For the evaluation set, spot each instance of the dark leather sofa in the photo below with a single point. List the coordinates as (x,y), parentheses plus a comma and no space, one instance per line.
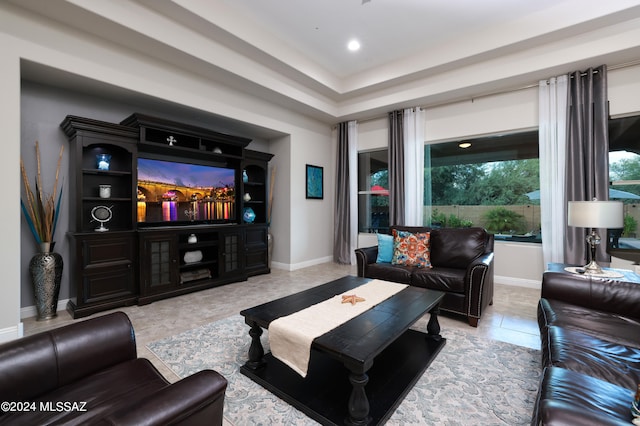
(462,260)
(590,341)
(88,373)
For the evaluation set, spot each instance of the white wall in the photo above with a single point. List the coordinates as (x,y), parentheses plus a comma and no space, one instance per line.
(504,112)
(624,91)
(10,325)
(309,237)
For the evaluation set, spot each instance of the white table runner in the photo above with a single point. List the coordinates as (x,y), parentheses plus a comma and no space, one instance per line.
(290,336)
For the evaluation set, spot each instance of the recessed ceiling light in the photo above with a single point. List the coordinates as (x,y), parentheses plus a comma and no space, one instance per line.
(464,145)
(353,45)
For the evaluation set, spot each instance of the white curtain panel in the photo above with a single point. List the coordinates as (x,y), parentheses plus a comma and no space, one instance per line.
(553,113)
(353,188)
(414,122)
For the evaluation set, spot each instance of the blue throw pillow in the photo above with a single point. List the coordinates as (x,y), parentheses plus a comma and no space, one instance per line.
(385,248)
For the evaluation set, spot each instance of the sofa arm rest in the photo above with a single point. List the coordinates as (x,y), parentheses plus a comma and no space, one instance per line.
(601,294)
(477,270)
(37,364)
(365,256)
(479,279)
(485,260)
(195,400)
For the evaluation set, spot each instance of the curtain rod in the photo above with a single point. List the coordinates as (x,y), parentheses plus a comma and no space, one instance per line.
(498,92)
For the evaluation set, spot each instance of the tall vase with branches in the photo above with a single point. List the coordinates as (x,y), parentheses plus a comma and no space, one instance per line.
(41,211)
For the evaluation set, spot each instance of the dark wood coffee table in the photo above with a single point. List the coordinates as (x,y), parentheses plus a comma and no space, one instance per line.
(382,356)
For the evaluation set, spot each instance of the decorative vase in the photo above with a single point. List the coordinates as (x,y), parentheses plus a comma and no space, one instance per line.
(46,273)
(103,161)
(248,215)
(105,191)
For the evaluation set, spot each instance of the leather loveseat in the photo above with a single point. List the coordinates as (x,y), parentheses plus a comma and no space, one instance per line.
(88,373)
(462,267)
(590,341)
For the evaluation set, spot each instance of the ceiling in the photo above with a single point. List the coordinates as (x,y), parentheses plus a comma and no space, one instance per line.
(388,30)
(293,52)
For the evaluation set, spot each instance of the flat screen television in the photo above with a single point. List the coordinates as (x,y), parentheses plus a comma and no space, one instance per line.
(174,192)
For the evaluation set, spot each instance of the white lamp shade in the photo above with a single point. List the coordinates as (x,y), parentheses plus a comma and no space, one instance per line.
(596,214)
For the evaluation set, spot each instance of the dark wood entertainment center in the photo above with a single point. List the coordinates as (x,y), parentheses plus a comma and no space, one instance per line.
(136,262)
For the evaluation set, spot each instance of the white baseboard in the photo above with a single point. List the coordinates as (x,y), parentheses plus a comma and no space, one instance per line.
(295,266)
(30,311)
(11,333)
(518,282)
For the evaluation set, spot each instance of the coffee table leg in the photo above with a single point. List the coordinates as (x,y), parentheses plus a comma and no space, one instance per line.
(256,351)
(358,401)
(433,326)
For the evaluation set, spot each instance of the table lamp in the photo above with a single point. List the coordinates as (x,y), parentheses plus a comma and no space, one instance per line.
(595,214)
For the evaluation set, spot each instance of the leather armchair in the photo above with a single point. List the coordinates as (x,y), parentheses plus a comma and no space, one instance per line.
(462,260)
(88,373)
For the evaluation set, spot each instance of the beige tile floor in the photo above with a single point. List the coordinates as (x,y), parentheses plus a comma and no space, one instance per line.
(511,318)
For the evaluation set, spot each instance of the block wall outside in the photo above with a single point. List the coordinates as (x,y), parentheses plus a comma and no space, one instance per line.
(531,213)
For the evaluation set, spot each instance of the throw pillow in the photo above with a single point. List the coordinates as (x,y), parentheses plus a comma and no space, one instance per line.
(385,248)
(411,249)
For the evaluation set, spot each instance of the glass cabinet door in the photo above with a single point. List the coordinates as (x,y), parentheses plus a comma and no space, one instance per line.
(161,262)
(232,254)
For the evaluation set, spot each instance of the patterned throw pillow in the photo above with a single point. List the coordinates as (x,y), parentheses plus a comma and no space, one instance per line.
(411,249)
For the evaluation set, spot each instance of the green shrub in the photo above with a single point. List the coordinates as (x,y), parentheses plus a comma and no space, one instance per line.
(438,218)
(452,221)
(500,220)
(630,225)
(466,223)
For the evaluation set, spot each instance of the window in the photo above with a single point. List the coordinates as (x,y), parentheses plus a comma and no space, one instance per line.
(624,175)
(373,191)
(492,182)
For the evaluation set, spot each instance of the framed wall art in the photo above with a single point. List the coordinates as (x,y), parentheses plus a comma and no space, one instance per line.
(315,189)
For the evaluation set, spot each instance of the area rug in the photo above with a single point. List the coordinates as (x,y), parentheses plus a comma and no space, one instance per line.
(472,381)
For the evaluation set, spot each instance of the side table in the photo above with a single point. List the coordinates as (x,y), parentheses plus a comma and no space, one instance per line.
(622,274)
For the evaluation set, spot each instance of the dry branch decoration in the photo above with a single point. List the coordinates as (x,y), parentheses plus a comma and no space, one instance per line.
(41,209)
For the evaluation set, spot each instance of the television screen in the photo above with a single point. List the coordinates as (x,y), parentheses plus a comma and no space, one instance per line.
(172,192)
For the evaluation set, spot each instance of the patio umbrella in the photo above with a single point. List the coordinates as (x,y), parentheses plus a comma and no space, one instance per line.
(379,190)
(613,193)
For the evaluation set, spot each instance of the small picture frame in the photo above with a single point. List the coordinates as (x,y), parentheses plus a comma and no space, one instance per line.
(315,185)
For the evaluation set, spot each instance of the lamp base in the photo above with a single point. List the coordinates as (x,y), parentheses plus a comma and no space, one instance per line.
(592,268)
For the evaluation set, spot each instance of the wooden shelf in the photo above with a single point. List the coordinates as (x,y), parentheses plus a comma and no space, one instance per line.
(106,172)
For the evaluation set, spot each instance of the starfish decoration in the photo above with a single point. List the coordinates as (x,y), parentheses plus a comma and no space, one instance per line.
(352,298)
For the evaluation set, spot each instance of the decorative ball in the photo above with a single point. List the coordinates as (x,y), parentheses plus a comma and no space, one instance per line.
(248,215)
